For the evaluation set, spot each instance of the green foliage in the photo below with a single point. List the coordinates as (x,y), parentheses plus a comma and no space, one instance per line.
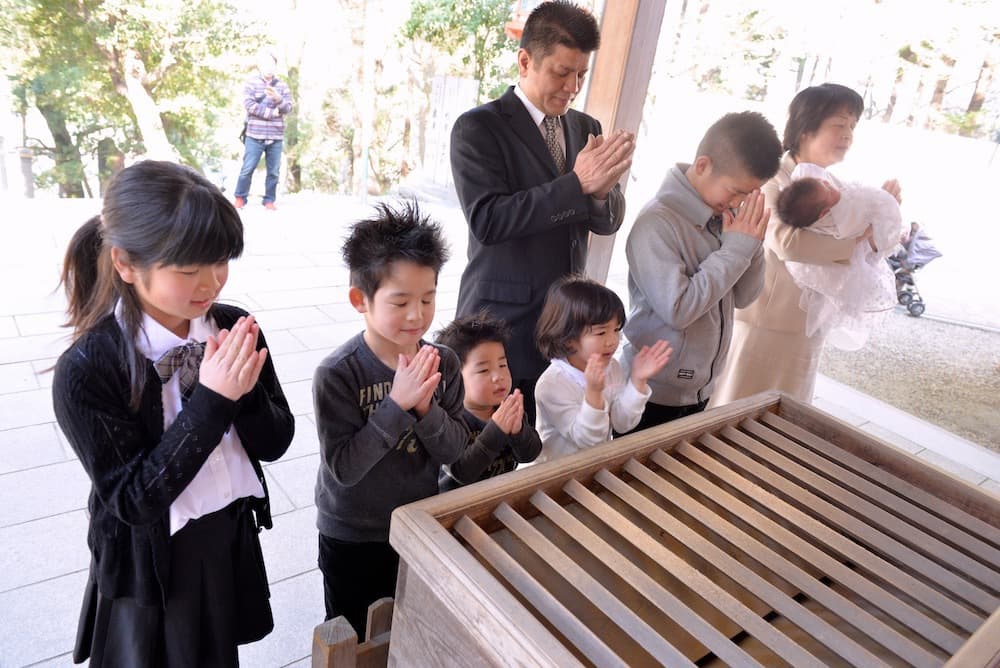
(72,56)
(472,31)
(966,124)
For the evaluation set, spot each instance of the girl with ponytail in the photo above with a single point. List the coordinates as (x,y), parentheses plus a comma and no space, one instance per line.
(171,402)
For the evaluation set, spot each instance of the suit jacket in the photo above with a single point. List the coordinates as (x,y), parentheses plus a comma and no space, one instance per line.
(528,224)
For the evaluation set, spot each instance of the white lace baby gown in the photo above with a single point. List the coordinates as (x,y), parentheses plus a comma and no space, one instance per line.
(845,301)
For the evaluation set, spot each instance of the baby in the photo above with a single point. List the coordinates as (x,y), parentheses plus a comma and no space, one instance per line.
(841,300)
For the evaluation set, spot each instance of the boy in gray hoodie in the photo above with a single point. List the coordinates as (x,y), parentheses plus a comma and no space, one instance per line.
(695,253)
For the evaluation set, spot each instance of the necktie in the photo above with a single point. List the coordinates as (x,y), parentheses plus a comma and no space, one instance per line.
(184,361)
(552,141)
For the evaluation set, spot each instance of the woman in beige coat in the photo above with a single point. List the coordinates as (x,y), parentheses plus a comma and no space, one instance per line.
(770,349)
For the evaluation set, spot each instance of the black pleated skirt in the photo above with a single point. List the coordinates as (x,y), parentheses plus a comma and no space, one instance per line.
(217,598)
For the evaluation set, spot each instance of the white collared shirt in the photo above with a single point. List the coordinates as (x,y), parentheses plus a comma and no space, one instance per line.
(227,474)
(538,117)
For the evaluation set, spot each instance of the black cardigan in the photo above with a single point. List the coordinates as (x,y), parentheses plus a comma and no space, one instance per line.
(136,468)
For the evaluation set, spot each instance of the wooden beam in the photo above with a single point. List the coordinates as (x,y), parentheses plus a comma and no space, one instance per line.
(630,30)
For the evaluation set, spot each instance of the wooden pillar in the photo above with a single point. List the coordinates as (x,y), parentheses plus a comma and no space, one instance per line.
(619,79)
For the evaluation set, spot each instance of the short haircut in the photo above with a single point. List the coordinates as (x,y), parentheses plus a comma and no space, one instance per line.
(798,204)
(573,304)
(395,234)
(742,142)
(465,333)
(811,106)
(559,22)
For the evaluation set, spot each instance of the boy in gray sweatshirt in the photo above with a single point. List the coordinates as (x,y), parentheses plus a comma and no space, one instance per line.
(695,253)
(388,408)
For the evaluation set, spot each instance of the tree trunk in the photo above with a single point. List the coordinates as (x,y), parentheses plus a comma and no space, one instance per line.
(891,107)
(293,153)
(812,73)
(127,72)
(147,116)
(3,166)
(69,165)
(404,168)
(110,161)
(799,73)
(679,32)
(983,82)
(915,105)
(941,85)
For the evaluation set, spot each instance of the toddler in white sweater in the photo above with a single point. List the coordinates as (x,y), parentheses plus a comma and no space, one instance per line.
(584,394)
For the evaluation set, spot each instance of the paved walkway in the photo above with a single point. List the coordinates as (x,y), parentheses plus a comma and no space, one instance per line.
(292,278)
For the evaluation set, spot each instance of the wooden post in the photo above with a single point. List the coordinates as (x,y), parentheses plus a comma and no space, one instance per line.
(619,79)
(334,644)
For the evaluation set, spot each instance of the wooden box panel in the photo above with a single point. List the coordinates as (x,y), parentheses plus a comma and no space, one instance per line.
(764,533)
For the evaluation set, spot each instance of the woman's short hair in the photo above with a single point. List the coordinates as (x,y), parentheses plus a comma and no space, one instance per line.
(811,106)
(573,304)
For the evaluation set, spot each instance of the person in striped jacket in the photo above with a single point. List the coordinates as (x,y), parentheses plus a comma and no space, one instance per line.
(267,101)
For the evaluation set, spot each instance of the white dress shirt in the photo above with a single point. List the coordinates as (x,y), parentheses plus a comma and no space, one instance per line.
(538,117)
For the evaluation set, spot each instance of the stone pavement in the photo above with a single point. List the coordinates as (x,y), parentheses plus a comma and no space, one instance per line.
(292,278)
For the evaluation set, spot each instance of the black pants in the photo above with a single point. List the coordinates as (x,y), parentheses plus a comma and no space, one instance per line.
(355,575)
(657,414)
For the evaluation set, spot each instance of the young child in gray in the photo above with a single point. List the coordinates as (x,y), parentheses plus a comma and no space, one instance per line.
(388,408)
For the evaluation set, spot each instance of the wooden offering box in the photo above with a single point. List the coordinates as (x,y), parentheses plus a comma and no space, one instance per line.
(764,533)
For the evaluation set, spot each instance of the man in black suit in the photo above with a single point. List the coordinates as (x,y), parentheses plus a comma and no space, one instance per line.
(534,177)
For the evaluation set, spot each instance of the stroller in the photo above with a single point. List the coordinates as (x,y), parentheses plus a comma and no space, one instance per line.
(916,252)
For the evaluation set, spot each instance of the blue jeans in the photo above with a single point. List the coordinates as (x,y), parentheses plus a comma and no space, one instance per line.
(251,157)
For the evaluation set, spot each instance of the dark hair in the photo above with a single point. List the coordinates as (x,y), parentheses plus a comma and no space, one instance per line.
(742,141)
(393,235)
(465,333)
(797,203)
(573,304)
(157,213)
(559,22)
(811,106)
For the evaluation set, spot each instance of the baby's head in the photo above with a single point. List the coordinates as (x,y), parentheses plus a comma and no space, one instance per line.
(394,259)
(479,341)
(580,317)
(804,201)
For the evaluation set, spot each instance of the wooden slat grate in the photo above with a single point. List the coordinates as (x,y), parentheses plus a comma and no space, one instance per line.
(759,543)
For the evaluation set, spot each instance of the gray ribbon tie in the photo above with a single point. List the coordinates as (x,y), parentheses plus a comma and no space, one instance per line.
(182,361)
